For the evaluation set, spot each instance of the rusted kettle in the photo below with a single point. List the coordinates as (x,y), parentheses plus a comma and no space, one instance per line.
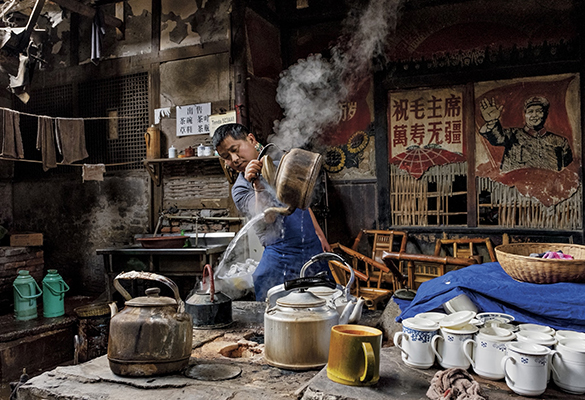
(152,335)
(295,179)
(210,309)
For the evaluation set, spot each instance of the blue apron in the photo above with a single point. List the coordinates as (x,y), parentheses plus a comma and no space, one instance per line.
(284,257)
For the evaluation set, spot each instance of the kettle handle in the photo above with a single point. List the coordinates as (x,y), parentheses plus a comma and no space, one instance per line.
(207,269)
(309,281)
(152,277)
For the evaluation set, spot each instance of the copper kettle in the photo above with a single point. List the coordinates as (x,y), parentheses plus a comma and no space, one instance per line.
(152,335)
(295,180)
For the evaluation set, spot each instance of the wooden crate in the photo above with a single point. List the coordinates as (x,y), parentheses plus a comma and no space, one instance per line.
(26,239)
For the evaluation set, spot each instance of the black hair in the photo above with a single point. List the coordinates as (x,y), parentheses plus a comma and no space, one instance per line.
(236,131)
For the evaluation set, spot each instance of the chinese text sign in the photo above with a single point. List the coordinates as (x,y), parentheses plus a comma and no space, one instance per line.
(426,118)
(193,119)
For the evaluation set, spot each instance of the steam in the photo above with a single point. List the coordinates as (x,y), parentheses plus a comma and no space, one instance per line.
(310,91)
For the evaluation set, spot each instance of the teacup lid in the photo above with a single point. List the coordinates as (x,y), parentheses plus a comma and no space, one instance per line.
(536,337)
(564,334)
(528,348)
(420,324)
(495,333)
(433,316)
(457,320)
(464,330)
(577,345)
(536,327)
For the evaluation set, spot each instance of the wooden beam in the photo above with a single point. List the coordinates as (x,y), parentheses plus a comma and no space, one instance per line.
(80,8)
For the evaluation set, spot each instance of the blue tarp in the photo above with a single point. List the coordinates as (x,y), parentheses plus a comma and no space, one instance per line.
(558,305)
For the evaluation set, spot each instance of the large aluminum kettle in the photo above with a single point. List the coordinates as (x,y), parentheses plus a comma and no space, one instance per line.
(152,335)
(295,179)
(298,327)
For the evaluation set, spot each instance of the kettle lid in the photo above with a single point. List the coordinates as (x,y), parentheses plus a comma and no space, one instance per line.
(152,299)
(301,299)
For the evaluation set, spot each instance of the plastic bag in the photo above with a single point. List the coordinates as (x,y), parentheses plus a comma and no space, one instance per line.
(237,282)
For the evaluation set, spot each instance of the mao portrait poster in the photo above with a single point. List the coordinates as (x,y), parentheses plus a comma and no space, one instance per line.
(528,135)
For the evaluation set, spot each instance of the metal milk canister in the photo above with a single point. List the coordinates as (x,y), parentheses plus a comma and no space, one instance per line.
(26,292)
(54,288)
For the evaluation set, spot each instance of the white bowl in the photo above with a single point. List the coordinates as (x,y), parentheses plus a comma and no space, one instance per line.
(502,318)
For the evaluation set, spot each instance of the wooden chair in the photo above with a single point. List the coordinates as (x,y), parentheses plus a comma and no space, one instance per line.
(422,267)
(372,296)
(464,248)
(373,266)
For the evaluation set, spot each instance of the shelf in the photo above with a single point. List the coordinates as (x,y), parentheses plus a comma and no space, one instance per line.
(154,166)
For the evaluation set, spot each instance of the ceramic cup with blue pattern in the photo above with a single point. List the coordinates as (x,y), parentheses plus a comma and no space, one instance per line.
(414,342)
(486,350)
(448,346)
(525,368)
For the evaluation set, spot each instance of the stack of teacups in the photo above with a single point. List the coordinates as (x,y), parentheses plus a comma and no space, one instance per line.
(455,329)
(568,361)
(525,367)
(538,334)
(486,350)
(414,342)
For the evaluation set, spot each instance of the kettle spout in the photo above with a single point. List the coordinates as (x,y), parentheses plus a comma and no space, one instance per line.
(113,308)
(356,314)
(346,314)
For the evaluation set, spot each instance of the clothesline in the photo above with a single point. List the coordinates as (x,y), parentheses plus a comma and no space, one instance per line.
(68,165)
(69,118)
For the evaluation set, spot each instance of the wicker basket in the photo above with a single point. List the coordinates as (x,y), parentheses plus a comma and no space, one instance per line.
(515,260)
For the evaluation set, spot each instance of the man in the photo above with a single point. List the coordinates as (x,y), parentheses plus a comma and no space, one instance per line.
(531,146)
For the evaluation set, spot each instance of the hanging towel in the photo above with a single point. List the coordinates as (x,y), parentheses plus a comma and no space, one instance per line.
(70,134)
(46,142)
(11,143)
(93,172)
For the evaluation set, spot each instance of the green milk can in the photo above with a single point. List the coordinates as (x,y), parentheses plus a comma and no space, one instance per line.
(26,292)
(54,288)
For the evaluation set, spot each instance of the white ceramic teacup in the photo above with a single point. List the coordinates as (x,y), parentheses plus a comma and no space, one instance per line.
(459,303)
(525,367)
(448,346)
(564,334)
(543,339)
(486,350)
(568,365)
(414,342)
(537,328)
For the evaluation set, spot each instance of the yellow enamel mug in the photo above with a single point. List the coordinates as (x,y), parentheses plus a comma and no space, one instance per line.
(354,355)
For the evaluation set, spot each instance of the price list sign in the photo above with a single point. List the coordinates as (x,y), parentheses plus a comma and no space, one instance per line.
(193,119)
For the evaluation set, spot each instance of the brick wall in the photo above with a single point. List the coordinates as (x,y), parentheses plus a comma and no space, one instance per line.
(13,259)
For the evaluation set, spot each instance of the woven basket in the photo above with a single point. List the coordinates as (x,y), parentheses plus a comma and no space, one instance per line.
(515,260)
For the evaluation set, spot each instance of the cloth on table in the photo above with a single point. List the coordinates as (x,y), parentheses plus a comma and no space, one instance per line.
(93,172)
(558,305)
(70,134)
(46,142)
(454,384)
(11,143)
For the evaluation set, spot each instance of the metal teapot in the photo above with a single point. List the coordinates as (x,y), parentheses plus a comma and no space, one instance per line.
(348,306)
(295,179)
(209,309)
(297,328)
(152,335)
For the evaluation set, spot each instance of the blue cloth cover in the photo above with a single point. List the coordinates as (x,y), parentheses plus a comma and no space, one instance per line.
(558,305)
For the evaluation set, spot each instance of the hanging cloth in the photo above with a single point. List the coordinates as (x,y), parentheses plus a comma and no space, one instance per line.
(46,142)
(70,134)
(11,139)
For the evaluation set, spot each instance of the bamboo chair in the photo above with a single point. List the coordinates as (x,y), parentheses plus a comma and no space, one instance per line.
(422,267)
(465,248)
(372,296)
(373,267)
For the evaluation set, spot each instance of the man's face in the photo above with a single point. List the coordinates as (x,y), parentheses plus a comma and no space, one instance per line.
(237,153)
(534,117)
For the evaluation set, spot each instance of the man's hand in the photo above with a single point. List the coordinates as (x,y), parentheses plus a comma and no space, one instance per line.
(490,111)
(252,171)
